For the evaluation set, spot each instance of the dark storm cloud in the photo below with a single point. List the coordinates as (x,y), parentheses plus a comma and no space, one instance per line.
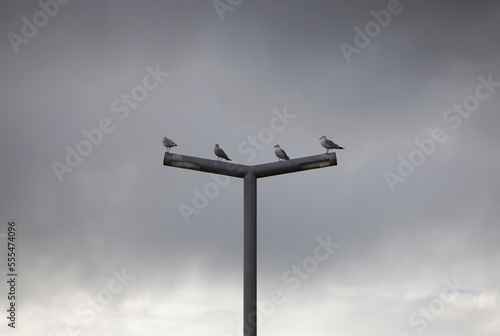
(120,207)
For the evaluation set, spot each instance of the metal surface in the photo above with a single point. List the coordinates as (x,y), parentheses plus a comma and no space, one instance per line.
(294,165)
(250,255)
(250,174)
(205,165)
(238,170)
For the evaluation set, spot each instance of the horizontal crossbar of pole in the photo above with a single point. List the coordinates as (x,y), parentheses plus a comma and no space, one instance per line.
(238,170)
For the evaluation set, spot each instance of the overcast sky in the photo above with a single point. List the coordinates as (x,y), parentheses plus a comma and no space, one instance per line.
(399,239)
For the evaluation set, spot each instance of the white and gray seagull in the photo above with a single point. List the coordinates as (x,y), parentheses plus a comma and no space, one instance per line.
(220,153)
(168,143)
(329,144)
(280,153)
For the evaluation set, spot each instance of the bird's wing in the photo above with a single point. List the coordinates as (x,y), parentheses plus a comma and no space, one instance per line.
(169,143)
(221,153)
(330,143)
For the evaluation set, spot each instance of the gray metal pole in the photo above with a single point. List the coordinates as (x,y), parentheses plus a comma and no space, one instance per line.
(250,174)
(250,255)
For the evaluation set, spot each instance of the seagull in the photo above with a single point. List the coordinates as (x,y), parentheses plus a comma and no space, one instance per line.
(220,153)
(280,153)
(329,144)
(168,143)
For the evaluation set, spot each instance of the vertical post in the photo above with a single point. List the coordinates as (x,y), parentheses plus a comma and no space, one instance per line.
(250,175)
(250,255)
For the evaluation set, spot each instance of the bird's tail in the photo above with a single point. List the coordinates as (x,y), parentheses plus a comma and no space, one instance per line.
(228,159)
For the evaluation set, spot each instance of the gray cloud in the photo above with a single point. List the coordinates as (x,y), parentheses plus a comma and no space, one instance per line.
(119,208)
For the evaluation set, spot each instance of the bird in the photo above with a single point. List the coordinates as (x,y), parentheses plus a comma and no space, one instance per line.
(329,144)
(168,143)
(220,153)
(280,153)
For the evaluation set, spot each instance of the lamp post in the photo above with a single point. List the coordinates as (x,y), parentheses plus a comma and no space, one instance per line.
(250,174)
